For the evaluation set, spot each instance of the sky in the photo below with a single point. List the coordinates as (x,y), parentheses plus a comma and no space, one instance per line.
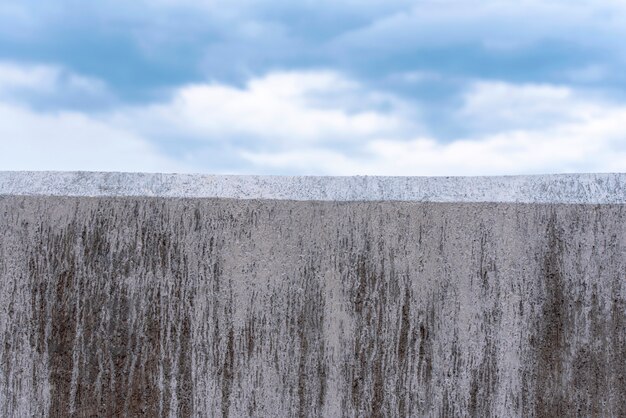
(342,87)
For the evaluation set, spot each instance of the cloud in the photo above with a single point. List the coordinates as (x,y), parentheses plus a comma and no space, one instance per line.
(313,122)
(494,23)
(285,108)
(73,141)
(497,106)
(527,41)
(341,87)
(50,85)
(34,137)
(308,123)
(146,45)
(563,149)
(517,129)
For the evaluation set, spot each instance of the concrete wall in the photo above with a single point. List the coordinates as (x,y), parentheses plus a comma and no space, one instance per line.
(188,306)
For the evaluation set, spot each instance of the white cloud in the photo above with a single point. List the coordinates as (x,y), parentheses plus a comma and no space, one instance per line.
(73,141)
(534,129)
(65,140)
(314,123)
(14,77)
(498,106)
(573,148)
(20,82)
(288,108)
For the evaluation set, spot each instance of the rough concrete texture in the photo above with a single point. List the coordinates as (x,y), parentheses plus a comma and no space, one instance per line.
(134,306)
(556,188)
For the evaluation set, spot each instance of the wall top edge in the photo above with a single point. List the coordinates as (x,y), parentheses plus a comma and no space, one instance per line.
(598,188)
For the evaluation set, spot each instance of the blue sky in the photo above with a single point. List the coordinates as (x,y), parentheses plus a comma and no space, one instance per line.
(328,87)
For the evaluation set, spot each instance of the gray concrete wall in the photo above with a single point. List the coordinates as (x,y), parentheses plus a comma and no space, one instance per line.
(188,306)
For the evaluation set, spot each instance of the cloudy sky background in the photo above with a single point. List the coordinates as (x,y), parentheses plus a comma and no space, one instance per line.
(376,87)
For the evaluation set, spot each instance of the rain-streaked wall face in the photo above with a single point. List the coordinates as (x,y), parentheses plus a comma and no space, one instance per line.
(135,306)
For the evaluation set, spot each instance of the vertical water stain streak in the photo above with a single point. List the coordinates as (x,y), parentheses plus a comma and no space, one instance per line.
(61,343)
(311,380)
(370,303)
(403,353)
(552,331)
(227,372)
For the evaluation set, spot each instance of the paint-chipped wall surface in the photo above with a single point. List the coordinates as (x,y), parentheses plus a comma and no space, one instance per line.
(235,306)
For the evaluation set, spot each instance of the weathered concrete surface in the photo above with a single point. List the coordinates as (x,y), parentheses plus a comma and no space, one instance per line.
(134,306)
(598,188)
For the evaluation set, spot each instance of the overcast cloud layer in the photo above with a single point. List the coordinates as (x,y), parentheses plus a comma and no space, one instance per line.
(344,87)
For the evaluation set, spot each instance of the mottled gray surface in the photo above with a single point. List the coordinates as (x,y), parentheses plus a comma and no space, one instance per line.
(557,188)
(131,306)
